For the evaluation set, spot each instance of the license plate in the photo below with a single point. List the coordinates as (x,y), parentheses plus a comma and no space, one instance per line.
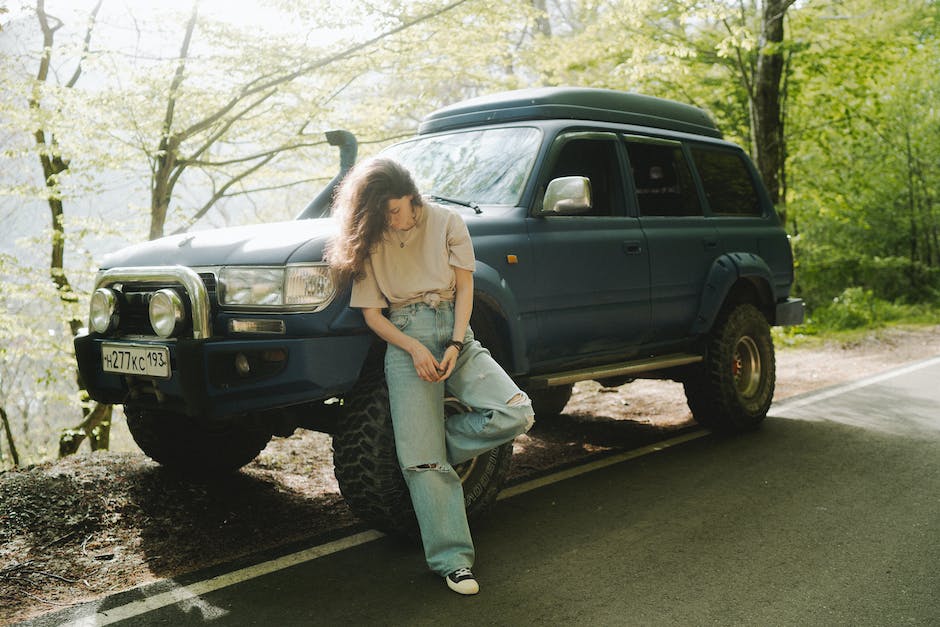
(143,360)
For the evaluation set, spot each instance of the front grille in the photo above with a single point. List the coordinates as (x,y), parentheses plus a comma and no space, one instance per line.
(135,304)
(208,279)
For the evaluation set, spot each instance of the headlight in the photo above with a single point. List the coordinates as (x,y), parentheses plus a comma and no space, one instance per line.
(103,312)
(251,286)
(308,285)
(294,286)
(167,313)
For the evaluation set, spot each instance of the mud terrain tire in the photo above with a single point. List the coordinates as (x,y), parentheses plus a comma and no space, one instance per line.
(366,465)
(186,444)
(732,389)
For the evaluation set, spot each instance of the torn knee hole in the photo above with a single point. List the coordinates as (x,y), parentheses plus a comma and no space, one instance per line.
(430,466)
(522,400)
(518,400)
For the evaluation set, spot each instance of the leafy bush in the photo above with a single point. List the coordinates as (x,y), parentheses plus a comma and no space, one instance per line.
(856,308)
(824,274)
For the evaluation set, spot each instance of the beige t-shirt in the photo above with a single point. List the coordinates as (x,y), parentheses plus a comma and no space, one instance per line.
(397,275)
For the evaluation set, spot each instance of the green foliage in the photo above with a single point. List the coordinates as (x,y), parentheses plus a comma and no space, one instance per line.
(824,273)
(858,308)
(865,151)
(37,372)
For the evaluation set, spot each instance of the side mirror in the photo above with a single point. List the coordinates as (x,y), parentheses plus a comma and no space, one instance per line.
(568,196)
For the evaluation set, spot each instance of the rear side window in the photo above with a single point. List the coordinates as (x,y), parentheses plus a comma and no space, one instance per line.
(662,179)
(729,187)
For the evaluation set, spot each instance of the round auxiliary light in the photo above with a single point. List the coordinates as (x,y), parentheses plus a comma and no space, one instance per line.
(103,312)
(167,313)
(242,365)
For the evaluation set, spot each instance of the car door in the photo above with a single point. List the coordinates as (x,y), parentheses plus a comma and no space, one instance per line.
(682,243)
(740,211)
(592,276)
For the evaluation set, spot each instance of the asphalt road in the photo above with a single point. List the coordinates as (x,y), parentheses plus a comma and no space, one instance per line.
(828,515)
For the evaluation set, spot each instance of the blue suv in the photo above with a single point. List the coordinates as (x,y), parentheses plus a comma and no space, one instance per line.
(617,236)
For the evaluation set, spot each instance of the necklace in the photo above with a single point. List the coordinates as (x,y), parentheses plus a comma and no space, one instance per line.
(414,223)
(404,240)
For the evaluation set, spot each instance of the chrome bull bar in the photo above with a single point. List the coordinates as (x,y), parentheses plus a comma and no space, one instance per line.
(191,282)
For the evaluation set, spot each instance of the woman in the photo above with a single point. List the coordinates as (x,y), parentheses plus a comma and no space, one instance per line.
(415,260)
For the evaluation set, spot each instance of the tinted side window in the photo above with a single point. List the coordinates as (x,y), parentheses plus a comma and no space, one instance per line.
(663,181)
(728,185)
(598,161)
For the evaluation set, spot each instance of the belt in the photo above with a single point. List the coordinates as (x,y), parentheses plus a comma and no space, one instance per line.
(431,299)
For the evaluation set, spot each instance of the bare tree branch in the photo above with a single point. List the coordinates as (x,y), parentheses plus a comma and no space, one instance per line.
(168,165)
(86,44)
(258,155)
(220,193)
(262,85)
(215,136)
(162,188)
(745,69)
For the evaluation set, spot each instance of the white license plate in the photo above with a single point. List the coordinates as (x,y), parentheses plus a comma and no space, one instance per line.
(143,360)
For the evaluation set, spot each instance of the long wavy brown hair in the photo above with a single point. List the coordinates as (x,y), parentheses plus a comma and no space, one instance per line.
(360,205)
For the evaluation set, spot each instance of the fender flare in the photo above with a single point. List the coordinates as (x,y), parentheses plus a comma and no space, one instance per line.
(725,272)
(491,288)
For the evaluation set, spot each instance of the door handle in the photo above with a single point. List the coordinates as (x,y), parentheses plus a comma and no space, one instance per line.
(710,243)
(632,247)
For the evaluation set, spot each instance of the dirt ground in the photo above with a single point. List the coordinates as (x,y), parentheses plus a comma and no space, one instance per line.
(95,524)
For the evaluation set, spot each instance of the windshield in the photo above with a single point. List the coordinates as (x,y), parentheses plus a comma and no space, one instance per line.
(485,167)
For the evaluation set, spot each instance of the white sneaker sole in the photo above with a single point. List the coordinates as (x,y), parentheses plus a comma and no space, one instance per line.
(467,586)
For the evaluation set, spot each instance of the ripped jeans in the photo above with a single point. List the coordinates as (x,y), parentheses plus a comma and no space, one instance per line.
(428,445)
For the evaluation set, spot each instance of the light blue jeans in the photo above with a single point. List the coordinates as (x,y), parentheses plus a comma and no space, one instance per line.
(428,445)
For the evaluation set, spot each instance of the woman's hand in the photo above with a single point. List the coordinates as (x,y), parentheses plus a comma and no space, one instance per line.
(448,362)
(426,366)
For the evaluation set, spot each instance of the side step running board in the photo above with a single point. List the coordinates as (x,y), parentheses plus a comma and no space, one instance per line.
(614,370)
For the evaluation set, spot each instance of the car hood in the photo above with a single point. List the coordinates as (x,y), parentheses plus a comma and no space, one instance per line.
(259,244)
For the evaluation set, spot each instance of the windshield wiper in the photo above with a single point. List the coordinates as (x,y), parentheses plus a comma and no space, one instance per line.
(454,201)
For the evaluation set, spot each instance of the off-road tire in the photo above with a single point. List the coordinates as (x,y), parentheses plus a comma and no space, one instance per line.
(550,402)
(732,389)
(366,464)
(186,444)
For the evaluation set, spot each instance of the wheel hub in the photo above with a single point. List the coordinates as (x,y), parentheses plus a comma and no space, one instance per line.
(746,367)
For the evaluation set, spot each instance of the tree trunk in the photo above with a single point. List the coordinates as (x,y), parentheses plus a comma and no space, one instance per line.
(911,201)
(53,165)
(164,175)
(14,455)
(543,24)
(96,427)
(767,123)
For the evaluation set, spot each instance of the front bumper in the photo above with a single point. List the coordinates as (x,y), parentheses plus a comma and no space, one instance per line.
(790,312)
(205,381)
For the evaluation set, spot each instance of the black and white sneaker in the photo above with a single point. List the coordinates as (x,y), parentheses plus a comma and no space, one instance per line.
(462,581)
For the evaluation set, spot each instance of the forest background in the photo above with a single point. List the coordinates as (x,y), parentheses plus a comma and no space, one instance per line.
(123,120)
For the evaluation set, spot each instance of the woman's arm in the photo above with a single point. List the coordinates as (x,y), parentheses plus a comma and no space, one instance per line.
(426,366)
(463,307)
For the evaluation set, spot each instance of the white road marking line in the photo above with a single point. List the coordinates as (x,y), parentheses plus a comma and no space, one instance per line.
(786,406)
(601,463)
(199,588)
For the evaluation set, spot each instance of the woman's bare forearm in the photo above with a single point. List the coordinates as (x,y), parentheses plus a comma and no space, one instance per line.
(383,327)
(463,303)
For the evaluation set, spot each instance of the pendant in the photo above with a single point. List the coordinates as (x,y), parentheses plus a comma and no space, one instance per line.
(401,244)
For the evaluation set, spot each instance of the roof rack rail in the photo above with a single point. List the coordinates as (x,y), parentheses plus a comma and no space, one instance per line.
(578,103)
